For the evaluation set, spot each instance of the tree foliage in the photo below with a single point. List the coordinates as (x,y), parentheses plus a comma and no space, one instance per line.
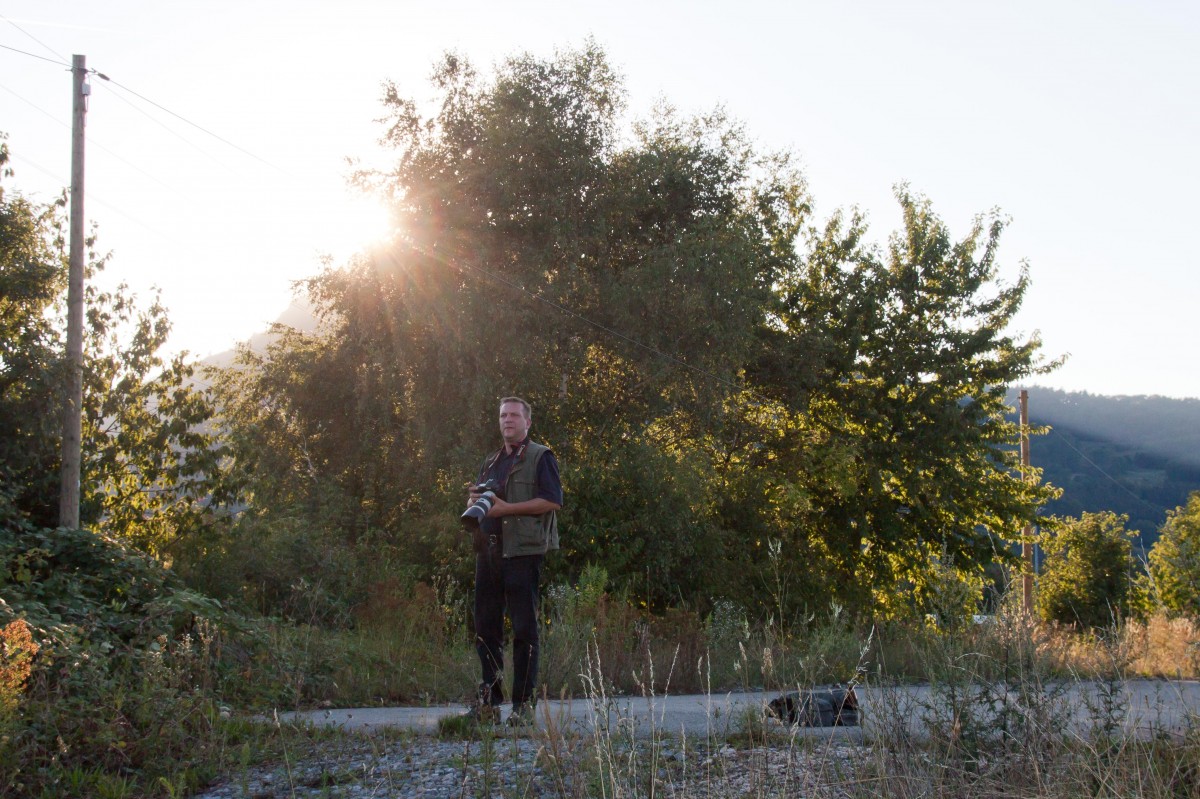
(1088,575)
(30,281)
(147,464)
(106,679)
(715,371)
(1175,559)
(901,359)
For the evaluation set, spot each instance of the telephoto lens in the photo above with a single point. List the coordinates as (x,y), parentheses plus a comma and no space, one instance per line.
(473,515)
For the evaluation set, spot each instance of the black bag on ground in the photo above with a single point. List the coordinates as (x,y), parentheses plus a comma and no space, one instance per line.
(829,707)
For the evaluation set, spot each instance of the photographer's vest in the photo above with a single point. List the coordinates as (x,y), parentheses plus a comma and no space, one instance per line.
(527,535)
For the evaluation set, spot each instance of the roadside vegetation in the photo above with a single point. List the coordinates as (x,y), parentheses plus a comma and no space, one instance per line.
(170,692)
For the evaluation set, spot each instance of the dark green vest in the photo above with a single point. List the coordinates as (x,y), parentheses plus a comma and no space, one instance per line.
(527,535)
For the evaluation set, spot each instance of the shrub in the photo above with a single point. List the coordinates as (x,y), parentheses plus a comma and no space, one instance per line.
(1175,559)
(1088,574)
(110,668)
(17,649)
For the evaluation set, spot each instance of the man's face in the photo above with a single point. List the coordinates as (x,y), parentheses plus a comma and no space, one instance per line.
(514,426)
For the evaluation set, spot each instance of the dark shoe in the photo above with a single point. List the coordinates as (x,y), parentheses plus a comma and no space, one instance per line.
(521,716)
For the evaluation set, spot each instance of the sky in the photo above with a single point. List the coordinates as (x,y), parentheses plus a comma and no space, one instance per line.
(219,149)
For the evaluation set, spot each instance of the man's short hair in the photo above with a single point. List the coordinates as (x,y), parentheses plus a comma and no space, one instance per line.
(528,408)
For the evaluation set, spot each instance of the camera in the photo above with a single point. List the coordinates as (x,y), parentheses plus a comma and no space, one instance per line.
(473,515)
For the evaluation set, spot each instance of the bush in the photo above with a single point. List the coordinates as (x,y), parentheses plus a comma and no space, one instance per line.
(17,649)
(111,669)
(1087,579)
(1175,559)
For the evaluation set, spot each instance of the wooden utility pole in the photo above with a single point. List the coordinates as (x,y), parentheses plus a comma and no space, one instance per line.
(1027,532)
(68,502)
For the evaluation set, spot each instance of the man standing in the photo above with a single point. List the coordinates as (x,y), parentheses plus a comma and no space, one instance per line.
(520,527)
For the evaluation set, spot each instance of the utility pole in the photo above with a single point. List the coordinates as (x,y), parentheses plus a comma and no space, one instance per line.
(1027,532)
(72,435)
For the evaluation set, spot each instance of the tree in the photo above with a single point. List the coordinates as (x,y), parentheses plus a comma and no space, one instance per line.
(519,201)
(152,471)
(715,374)
(900,362)
(147,465)
(30,363)
(1087,578)
(1175,559)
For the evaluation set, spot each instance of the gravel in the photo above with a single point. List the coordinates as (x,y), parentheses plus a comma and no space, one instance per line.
(544,766)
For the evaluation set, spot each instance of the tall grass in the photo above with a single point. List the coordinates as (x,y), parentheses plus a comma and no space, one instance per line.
(412,643)
(990,724)
(994,720)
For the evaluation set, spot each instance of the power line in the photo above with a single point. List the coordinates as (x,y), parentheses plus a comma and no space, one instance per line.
(108,150)
(141,111)
(90,140)
(140,96)
(170,130)
(35,107)
(92,196)
(1111,479)
(35,55)
(198,127)
(36,39)
(16,156)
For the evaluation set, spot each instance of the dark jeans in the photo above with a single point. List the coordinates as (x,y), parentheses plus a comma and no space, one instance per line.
(507,583)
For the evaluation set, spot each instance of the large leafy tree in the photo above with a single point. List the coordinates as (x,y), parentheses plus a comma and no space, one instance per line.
(1175,559)
(30,281)
(729,389)
(519,199)
(900,360)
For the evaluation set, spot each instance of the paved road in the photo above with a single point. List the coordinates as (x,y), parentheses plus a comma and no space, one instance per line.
(1145,706)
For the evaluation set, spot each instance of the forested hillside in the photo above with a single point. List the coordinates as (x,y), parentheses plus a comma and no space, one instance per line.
(1138,456)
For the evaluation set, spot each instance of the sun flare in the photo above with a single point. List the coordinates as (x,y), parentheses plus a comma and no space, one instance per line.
(358,223)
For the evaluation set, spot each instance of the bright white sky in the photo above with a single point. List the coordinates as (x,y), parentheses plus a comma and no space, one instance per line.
(1080,120)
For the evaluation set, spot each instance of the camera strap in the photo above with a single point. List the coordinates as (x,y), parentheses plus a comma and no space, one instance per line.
(517,458)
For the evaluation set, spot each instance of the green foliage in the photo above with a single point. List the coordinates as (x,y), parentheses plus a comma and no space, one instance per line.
(30,360)
(118,676)
(148,468)
(105,619)
(72,585)
(151,472)
(639,514)
(1175,560)
(900,361)
(132,668)
(844,402)
(1088,576)
(946,597)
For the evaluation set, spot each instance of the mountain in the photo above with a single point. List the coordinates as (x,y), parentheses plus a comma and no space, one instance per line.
(299,314)
(1138,455)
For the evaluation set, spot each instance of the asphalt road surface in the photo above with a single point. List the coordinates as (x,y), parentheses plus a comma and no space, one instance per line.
(1144,707)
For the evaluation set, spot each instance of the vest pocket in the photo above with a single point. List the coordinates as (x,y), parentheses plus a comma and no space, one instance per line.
(529,530)
(525,535)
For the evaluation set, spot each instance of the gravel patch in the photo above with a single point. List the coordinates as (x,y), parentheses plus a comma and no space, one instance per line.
(544,766)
